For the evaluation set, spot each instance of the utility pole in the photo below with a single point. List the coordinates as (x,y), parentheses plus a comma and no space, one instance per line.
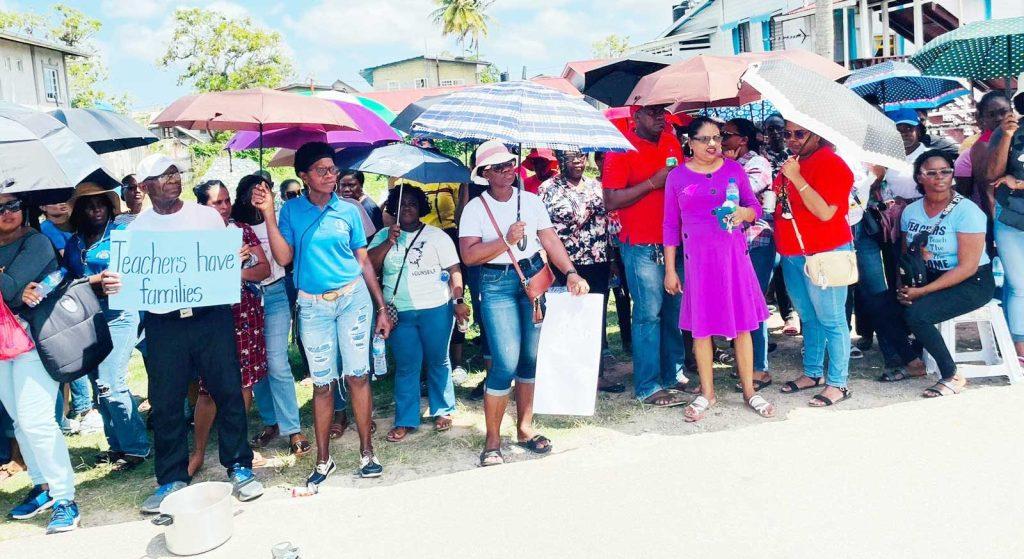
(824,29)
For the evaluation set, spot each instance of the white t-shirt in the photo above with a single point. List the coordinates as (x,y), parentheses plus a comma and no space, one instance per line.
(191,217)
(424,281)
(900,184)
(276,270)
(475,223)
(861,193)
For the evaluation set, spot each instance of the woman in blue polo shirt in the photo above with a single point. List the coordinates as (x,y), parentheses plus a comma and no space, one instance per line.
(87,254)
(324,237)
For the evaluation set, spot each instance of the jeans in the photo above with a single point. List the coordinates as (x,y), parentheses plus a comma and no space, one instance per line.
(473,283)
(176,348)
(877,300)
(926,312)
(764,258)
(338,328)
(823,317)
(507,317)
(28,393)
(422,338)
(122,424)
(275,394)
(1010,242)
(658,350)
(81,396)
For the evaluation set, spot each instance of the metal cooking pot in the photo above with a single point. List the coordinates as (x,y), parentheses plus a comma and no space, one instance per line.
(198,518)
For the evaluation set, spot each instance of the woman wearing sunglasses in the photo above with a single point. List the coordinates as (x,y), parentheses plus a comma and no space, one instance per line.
(338,291)
(950,231)
(813,191)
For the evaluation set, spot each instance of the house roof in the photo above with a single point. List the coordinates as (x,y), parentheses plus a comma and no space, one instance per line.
(25,39)
(690,14)
(398,99)
(580,67)
(337,85)
(367,73)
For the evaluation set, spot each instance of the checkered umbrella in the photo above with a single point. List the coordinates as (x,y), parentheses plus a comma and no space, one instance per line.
(982,50)
(830,110)
(899,85)
(520,114)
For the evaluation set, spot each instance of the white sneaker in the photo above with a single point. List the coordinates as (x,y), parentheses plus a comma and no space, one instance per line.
(459,376)
(92,422)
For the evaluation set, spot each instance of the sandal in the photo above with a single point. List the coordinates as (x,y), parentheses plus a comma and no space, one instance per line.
(826,401)
(264,437)
(443,423)
(856,353)
(791,328)
(538,444)
(792,387)
(398,434)
(612,388)
(300,446)
(724,357)
(894,375)
(668,399)
(9,470)
(761,406)
(938,388)
(338,428)
(696,410)
(491,458)
(759,384)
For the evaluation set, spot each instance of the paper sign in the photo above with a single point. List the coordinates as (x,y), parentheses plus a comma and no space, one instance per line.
(569,355)
(164,271)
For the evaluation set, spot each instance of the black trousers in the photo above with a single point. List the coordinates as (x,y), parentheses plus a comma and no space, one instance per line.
(204,342)
(964,297)
(597,276)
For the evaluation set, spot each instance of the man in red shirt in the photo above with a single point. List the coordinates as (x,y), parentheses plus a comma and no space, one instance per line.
(634,187)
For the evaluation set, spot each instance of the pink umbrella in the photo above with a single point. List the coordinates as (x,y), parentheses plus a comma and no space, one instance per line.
(254,109)
(372,130)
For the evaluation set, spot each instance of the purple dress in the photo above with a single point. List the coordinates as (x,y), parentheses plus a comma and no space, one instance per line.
(721,295)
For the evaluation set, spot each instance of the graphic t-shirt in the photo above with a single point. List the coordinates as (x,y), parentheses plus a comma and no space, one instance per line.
(942,246)
(424,282)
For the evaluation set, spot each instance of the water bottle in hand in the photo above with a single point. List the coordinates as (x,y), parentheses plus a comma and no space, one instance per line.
(380,361)
(732,201)
(51,281)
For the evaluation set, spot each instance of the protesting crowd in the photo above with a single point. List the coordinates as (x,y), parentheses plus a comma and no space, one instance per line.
(692,233)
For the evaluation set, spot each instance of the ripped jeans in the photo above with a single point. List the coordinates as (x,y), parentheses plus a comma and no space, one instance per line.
(122,424)
(341,327)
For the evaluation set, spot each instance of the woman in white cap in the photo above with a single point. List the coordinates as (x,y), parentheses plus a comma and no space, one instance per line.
(503,231)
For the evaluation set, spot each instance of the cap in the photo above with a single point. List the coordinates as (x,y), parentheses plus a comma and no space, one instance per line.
(904,116)
(152,166)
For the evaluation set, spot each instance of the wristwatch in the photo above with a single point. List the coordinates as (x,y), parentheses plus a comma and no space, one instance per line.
(571,271)
(460,301)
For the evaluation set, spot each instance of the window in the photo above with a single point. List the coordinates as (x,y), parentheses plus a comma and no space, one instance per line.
(742,37)
(420,83)
(21,67)
(51,85)
(393,85)
(449,83)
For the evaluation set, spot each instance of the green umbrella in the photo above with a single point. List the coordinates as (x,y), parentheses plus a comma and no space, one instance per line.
(983,50)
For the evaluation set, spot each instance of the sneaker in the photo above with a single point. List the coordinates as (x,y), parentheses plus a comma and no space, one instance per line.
(108,457)
(70,427)
(126,463)
(91,422)
(37,500)
(152,504)
(247,487)
(321,472)
(369,466)
(856,353)
(65,517)
(459,375)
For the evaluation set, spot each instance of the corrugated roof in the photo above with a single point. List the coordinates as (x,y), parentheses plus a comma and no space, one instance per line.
(25,39)
(367,73)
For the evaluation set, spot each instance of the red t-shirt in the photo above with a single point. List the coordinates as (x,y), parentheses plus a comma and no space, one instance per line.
(641,222)
(830,177)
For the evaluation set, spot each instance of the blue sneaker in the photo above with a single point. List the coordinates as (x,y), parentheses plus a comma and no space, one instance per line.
(321,472)
(152,504)
(369,467)
(65,517)
(247,487)
(37,500)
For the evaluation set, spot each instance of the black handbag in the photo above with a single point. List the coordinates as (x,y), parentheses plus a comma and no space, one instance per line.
(1012,207)
(70,331)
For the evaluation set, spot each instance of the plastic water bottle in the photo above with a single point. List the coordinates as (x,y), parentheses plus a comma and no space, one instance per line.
(51,281)
(380,360)
(732,201)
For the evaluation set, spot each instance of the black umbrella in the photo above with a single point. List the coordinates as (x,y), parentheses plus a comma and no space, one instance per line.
(612,82)
(409,114)
(105,131)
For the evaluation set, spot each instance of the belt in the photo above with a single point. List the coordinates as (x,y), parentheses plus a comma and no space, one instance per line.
(534,260)
(333,294)
(275,282)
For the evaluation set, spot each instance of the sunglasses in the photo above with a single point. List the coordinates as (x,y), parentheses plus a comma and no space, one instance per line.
(10,207)
(938,173)
(717,138)
(798,134)
(502,167)
(727,135)
(291,194)
(168,176)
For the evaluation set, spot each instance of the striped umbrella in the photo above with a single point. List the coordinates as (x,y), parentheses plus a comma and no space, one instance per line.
(983,50)
(520,113)
(899,85)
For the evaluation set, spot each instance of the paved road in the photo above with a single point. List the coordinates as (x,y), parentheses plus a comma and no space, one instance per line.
(929,479)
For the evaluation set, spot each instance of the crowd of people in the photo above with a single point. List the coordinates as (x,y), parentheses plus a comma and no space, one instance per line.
(693,232)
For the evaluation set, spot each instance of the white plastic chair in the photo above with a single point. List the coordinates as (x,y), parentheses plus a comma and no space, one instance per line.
(995,342)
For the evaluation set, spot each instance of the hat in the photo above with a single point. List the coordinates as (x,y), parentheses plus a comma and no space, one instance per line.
(491,152)
(537,155)
(904,116)
(92,189)
(153,165)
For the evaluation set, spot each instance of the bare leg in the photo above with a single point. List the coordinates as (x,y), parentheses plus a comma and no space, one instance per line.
(745,363)
(206,412)
(704,349)
(361,397)
(323,412)
(456,355)
(524,410)
(494,411)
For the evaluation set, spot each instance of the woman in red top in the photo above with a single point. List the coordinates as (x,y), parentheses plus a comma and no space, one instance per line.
(814,189)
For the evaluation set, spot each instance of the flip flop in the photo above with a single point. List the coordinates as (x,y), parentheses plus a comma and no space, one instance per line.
(672,397)
(538,444)
(394,437)
(443,423)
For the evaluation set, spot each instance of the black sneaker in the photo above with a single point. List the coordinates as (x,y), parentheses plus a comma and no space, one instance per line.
(321,472)
(369,466)
(108,457)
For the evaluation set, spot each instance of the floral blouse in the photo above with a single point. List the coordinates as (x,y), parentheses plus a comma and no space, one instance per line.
(579,217)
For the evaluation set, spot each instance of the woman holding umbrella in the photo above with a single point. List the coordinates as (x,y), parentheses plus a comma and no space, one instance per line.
(338,290)
(490,232)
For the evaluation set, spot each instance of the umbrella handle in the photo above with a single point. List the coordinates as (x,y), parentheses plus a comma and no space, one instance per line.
(521,245)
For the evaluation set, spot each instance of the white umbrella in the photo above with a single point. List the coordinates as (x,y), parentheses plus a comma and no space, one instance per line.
(830,110)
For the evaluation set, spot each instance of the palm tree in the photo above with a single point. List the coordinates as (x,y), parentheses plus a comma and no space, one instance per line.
(464,19)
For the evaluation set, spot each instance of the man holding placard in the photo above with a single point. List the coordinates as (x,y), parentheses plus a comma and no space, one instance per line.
(188,322)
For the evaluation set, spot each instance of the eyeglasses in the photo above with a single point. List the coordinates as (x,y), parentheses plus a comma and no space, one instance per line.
(727,135)
(798,134)
(502,167)
(938,173)
(290,194)
(324,171)
(717,138)
(10,207)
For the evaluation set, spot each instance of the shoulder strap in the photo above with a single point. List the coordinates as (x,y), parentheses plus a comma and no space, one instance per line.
(957,198)
(508,249)
(405,258)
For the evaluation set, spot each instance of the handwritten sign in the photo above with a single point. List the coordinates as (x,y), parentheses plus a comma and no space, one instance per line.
(163,271)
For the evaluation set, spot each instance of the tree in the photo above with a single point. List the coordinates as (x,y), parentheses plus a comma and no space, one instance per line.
(612,46)
(72,28)
(466,19)
(221,53)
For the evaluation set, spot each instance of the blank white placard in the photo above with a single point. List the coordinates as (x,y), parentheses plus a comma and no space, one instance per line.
(569,355)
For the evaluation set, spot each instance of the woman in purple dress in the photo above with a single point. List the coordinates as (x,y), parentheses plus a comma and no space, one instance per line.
(721,296)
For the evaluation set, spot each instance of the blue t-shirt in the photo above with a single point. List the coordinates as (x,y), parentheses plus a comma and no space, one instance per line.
(966,217)
(81,261)
(324,241)
(58,237)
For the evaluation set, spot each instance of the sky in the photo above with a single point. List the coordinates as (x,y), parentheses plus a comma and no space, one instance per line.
(334,39)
